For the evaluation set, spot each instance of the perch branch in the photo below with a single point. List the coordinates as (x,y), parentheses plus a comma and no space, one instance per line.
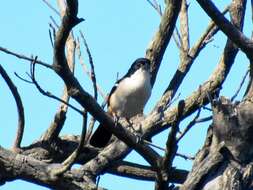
(81,96)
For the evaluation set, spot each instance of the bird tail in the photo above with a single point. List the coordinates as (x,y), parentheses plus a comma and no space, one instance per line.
(101,137)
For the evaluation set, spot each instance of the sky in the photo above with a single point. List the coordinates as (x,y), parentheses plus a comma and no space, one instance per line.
(117,32)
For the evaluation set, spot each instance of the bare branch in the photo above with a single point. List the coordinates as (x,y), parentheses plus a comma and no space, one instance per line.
(210,31)
(48,94)
(66,165)
(189,126)
(198,97)
(17,166)
(240,86)
(51,7)
(159,43)
(20,108)
(156,6)
(233,33)
(170,152)
(186,61)
(80,95)
(57,124)
(25,57)
(184,26)
(54,22)
(92,73)
(137,171)
(86,70)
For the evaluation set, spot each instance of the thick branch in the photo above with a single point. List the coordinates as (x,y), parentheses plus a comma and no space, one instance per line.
(159,121)
(20,108)
(17,166)
(160,41)
(187,59)
(56,125)
(233,33)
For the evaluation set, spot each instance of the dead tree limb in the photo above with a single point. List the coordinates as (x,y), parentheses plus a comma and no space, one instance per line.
(20,109)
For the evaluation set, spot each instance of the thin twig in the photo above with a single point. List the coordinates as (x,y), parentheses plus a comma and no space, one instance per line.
(240,86)
(175,35)
(189,126)
(54,22)
(205,119)
(93,75)
(156,6)
(51,38)
(51,7)
(207,108)
(185,156)
(205,38)
(25,57)
(23,79)
(48,94)
(20,109)
(86,70)
(163,149)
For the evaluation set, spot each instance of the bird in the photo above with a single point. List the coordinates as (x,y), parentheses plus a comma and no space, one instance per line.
(126,99)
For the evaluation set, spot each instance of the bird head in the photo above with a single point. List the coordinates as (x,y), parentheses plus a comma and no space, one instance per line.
(142,63)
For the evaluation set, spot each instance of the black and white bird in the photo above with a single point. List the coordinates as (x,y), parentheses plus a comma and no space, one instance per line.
(127,98)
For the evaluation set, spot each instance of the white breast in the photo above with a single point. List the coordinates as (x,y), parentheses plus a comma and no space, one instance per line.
(132,94)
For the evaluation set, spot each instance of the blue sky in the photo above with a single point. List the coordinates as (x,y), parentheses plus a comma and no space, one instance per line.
(117,32)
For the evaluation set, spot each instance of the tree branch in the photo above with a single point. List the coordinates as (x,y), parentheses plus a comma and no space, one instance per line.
(81,96)
(233,33)
(184,26)
(25,57)
(160,120)
(141,172)
(163,175)
(160,41)
(20,108)
(17,166)
(56,125)
(66,165)
(186,61)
